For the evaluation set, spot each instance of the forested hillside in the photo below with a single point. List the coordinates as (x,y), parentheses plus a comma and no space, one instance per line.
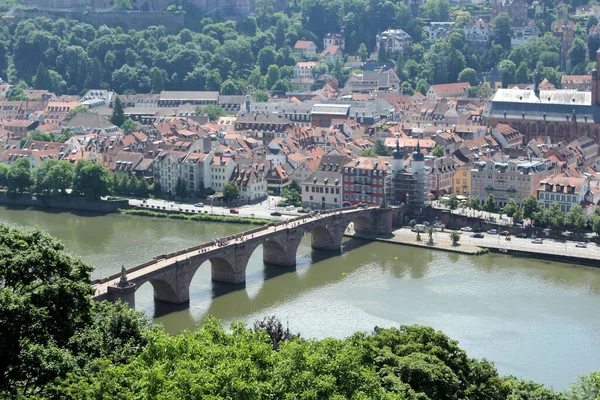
(70,57)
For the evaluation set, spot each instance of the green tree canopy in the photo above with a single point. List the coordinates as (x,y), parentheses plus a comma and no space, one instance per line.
(489,204)
(438,151)
(231,191)
(118,114)
(468,75)
(90,179)
(18,178)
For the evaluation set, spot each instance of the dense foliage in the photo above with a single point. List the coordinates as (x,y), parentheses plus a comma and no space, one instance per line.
(256,53)
(57,343)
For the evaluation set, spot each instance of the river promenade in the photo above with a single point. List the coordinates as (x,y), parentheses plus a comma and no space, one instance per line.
(565,251)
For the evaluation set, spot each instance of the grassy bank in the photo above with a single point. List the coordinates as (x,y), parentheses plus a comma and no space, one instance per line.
(197,217)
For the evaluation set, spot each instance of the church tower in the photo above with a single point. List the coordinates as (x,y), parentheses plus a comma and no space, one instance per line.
(397,160)
(596,82)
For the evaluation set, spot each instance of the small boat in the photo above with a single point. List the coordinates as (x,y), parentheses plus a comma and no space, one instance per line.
(503,251)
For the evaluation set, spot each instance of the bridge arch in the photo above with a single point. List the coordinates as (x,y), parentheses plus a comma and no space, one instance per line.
(324,237)
(223,270)
(164,291)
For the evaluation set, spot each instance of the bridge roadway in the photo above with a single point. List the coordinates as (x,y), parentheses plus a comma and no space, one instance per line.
(171,274)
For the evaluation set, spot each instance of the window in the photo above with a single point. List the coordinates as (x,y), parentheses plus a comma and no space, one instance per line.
(323,199)
(337,190)
(312,189)
(327,190)
(311,197)
(457,180)
(306,188)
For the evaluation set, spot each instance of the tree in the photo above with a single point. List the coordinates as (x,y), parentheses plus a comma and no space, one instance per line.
(508,69)
(585,387)
(290,197)
(452,202)
(438,151)
(122,187)
(60,177)
(430,231)
(577,52)
(274,329)
(518,215)
(231,191)
(118,114)
(474,203)
(123,4)
(282,86)
(142,190)
(44,299)
(502,30)
(280,35)
(42,78)
(272,76)
(3,175)
(538,219)
(40,183)
(230,87)
(454,237)
(362,52)
(368,153)
(555,217)
(436,10)
(510,208)
(266,58)
(575,218)
(90,180)
(157,81)
(468,75)
(595,222)
(74,111)
(129,125)
(213,112)
(530,205)
(180,188)
(489,204)
(522,73)
(380,149)
(485,91)
(18,178)
(260,96)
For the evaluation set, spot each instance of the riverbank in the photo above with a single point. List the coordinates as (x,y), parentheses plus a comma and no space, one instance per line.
(195,217)
(66,203)
(441,241)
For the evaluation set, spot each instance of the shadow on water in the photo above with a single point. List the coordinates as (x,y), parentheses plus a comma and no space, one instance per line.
(78,213)
(161,308)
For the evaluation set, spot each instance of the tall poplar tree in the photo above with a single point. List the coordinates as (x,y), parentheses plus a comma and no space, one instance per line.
(118,115)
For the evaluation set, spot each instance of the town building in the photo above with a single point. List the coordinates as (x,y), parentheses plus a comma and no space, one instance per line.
(438,30)
(305,49)
(252,184)
(323,189)
(507,136)
(393,41)
(461,181)
(562,115)
(478,33)
(565,31)
(333,54)
(334,39)
(514,179)
(516,10)
(170,98)
(367,180)
(582,83)
(567,191)
(459,89)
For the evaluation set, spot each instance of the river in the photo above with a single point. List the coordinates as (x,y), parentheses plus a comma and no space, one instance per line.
(535,319)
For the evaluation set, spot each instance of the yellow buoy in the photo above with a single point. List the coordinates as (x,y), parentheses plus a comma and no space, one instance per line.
(395,258)
(343,274)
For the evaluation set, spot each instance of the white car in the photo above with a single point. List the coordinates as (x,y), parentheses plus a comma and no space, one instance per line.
(582,245)
(537,241)
(466,229)
(199,205)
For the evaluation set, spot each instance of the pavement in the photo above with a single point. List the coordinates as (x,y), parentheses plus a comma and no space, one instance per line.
(261,210)
(549,246)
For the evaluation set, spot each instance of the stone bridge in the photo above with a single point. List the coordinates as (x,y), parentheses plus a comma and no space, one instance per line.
(171,274)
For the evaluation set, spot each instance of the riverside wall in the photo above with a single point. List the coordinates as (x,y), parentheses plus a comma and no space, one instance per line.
(63,203)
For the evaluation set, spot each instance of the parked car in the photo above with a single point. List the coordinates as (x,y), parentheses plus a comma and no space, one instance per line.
(233,211)
(522,235)
(477,235)
(301,210)
(419,228)
(504,233)
(289,208)
(436,224)
(199,205)
(568,233)
(582,245)
(466,229)
(276,214)
(492,232)
(538,241)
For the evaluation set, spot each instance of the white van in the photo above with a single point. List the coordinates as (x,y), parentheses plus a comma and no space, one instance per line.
(418,228)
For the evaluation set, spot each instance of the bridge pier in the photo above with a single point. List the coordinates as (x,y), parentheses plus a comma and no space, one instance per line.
(230,267)
(125,294)
(282,250)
